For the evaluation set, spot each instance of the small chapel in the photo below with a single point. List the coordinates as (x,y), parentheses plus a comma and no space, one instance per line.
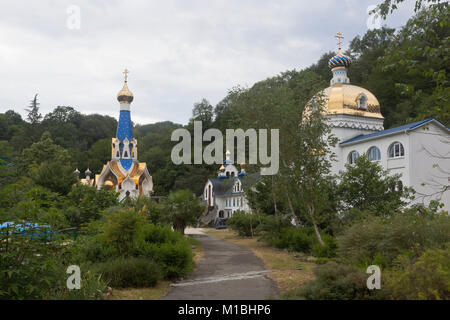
(224,194)
(124,173)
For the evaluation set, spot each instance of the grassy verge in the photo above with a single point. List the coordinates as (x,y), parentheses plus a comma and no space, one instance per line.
(284,264)
(162,287)
(154,293)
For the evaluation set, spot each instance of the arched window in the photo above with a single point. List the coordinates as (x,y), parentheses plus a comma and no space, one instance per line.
(374,154)
(352,157)
(396,150)
(362,101)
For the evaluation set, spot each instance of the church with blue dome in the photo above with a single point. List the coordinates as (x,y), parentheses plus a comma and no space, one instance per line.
(124,173)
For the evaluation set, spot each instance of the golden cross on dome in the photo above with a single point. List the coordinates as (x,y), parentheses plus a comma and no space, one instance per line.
(126,72)
(339,36)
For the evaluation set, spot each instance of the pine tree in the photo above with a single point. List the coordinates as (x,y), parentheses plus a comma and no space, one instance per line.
(34,117)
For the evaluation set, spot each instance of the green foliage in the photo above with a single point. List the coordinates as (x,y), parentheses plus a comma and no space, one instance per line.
(48,165)
(129,272)
(325,251)
(377,239)
(93,287)
(293,239)
(333,282)
(122,230)
(425,278)
(86,203)
(175,258)
(365,187)
(125,233)
(29,267)
(183,209)
(246,224)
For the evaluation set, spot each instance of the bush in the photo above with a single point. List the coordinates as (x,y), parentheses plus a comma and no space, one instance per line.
(327,251)
(126,234)
(245,224)
(293,239)
(176,259)
(93,287)
(426,278)
(29,267)
(377,239)
(129,272)
(333,282)
(123,229)
(160,235)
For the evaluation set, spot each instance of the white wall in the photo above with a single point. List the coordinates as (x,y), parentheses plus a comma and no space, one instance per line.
(428,167)
(418,166)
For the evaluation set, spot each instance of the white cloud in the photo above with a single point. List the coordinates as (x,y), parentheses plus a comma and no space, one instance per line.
(178,51)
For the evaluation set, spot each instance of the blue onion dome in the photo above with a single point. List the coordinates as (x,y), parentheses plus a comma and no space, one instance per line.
(340,60)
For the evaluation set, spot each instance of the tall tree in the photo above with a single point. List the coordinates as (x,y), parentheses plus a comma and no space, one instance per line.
(183,208)
(34,116)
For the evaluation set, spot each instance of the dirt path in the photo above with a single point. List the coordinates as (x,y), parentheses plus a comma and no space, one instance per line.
(227,272)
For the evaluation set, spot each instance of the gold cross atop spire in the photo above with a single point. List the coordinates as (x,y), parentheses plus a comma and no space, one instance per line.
(126,72)
(339,36)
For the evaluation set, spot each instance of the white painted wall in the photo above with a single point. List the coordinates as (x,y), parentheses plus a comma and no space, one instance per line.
(420,165)
(427,145)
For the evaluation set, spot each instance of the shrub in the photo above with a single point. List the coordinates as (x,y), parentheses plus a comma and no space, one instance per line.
(426,278)
(327,251)
(159,234)
(93,287)
(123,229)
(245,223)
(376,238)
(129,272)
(333,282)
(29,267)
(126,234)
(175,258)
(293,239)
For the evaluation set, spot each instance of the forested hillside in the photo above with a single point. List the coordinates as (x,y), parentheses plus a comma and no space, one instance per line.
(406,69)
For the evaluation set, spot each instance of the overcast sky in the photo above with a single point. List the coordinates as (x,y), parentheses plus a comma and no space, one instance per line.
(177,51)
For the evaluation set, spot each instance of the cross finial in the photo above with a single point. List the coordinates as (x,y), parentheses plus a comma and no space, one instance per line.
(126,72)
(339,36)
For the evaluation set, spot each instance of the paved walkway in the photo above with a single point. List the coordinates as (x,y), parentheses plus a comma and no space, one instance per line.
(226,272)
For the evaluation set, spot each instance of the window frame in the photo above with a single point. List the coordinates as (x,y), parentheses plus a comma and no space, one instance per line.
(350,159)
(393,154)
(378,152)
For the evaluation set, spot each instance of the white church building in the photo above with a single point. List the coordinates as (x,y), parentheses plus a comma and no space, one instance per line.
(225,194)
(419,151)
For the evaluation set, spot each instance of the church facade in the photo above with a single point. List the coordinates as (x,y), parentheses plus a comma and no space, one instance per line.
(419,151)
(225,194)
(124,173)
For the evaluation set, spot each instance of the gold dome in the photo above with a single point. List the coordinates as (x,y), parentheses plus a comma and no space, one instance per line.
(125,94)
(351,100)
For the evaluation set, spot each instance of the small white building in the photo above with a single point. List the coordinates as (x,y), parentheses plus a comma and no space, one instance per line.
(419,151)
(224,194)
